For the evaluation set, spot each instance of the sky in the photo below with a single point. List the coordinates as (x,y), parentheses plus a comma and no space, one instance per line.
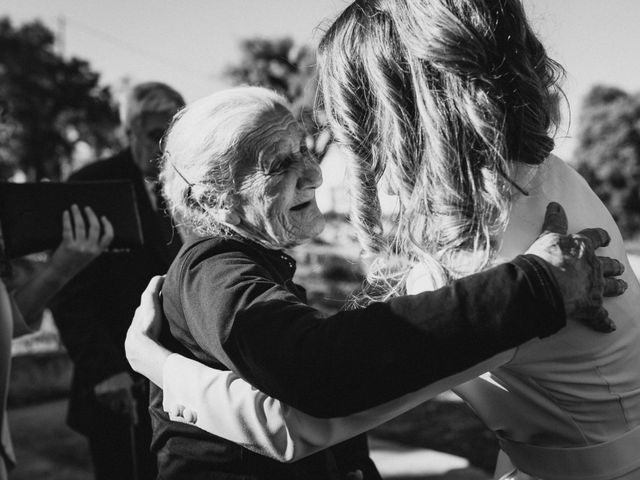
(189,43)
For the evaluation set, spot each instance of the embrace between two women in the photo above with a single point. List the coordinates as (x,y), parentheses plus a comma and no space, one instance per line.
(450,103)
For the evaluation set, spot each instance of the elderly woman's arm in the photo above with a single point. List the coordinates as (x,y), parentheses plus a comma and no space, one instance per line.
(354,360)
(222,403)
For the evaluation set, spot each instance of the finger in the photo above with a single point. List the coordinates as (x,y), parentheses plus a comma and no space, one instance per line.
(107,233)
(597,236)
(67,229)
(173,418)
(611,267)
(189,415)
(152,292)
(555,219)
(176,410)
(614,287)
(598,319)
(80,233)
(94,226)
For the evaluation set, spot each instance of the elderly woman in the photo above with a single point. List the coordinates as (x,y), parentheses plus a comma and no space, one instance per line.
(237,171)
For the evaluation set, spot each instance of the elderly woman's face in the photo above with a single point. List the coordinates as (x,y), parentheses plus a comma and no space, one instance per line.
(277,194)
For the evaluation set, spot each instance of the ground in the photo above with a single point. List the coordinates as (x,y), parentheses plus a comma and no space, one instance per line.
(48,450)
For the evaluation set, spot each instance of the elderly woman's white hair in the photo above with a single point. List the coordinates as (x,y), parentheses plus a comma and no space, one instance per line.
(203,149)
(148,97)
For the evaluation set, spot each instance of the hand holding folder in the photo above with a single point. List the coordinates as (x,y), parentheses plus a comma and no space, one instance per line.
(30,213)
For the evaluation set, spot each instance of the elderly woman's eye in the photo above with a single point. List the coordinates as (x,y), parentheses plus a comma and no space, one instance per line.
(307,152)
(280,166)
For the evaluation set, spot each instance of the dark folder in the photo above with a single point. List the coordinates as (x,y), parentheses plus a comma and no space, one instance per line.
(31,213)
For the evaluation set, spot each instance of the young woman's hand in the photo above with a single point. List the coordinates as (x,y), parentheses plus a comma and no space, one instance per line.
(145,355)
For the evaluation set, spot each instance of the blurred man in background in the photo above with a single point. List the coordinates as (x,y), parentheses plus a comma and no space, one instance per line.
(108,402)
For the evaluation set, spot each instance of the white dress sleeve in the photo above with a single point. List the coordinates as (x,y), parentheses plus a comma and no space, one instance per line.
(229,407)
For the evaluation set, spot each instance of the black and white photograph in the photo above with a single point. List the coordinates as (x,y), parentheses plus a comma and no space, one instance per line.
(320,240)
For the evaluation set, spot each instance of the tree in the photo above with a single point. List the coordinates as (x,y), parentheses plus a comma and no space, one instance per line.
(49,103)
(285,67)
(608,153)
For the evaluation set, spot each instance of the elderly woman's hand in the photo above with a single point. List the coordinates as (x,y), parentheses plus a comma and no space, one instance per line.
(81,243)
(145,355)
(583,277)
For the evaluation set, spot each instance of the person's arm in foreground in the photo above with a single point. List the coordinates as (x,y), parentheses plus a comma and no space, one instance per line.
(80,245)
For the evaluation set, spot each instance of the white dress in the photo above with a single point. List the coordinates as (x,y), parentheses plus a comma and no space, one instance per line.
(568,406)
(564,408)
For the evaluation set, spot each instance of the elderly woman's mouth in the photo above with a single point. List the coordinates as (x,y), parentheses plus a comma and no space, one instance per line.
(301,206)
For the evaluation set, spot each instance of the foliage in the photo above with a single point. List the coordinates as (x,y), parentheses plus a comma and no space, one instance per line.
(283,66)
(49,103)
(608,154)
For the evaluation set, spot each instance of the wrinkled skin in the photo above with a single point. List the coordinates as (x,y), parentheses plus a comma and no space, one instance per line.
(278,178)
(583,278)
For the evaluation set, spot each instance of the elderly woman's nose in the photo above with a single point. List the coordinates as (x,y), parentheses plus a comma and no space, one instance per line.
(311,175)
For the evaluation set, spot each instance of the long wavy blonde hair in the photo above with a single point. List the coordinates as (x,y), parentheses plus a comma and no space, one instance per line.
(444,97)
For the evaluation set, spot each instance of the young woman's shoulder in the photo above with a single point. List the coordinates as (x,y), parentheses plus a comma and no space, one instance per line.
(556,180)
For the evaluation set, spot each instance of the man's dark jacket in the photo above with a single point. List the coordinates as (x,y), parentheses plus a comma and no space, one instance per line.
(95,309)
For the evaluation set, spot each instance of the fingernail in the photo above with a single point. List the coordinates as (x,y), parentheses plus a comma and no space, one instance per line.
(612,326)
(624,285)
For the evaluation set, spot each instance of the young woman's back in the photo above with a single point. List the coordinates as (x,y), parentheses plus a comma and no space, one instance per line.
(568,406)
